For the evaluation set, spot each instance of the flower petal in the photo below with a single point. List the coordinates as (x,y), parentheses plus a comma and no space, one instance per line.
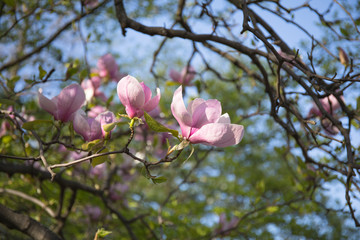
(180,113)
(48,105)
(218,134)
(187,74)
(147,92)
(204,112)
(224,119)
(81,126)
(152,103)
(175,76)
(69,101)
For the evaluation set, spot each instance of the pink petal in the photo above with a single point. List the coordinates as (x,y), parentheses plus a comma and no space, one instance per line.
(69,101)
(224,118)
(153,103)
(218,134)
(89,89)
(175,76)
(81,126)
(180,113)
(204,112)
(48,105)
(96,81)
(95,129)
(147,92)
(131,95)
(187,74)
(94,111)
(100,95)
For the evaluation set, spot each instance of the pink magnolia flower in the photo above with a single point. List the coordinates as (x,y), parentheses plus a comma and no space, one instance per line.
(187,74)
(330,104)
(136,97)
(92,128)
(202,122)
(63,106)
(225,225)
(108,68)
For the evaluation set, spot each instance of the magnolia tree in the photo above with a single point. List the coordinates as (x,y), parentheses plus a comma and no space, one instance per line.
(112,123)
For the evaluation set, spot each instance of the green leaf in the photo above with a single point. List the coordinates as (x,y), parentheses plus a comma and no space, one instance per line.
(158,180)
(101,233)
(99,160)
(6,139)
(344,32)
(36,124)
(29,81)
(145,173)
(42,72)
(158,127)
(15,79)
(83,74)
(272,209)
(71,71)
(88,146)
(171,83)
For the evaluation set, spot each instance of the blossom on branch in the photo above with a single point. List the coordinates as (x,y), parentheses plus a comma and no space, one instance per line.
(202,122)
(92,128)
(136,97)
(330,104)
(187,74)
(63,106)
(108,68)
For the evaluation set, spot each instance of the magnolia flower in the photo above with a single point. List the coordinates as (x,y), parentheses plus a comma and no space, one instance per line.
(108,68)
(226,225)
(202,122)
(187,74)
(136,97)
(330,104)
(92,128)
(63,106)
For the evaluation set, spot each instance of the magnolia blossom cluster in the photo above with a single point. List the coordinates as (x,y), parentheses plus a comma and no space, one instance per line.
(66,107)
(201,121)
(225,226)
(330,105)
